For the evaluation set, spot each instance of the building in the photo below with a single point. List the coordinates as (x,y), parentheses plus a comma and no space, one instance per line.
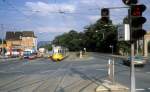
(13,40)
(21,40)
(146,44)
(29,40)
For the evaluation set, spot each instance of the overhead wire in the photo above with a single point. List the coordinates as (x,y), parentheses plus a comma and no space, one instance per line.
(27,18)
(63,13)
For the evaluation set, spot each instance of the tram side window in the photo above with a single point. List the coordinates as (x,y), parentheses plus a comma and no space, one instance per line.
(62,51)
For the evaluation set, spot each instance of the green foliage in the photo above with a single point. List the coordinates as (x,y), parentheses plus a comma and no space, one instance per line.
(123,47)
(72,40)
(47,46)
(95,37)
(100,36)
(1,41)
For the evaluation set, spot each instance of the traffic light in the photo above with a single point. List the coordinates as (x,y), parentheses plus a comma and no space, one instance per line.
(105,12)
(129,2)
(105,15)
(137,20)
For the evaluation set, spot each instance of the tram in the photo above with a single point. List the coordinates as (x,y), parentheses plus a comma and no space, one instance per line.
(59,53)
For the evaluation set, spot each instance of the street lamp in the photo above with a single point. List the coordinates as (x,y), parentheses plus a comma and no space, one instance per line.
(112,48)
(102,32)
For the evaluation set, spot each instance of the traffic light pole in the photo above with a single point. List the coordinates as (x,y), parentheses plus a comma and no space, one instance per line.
(132,68)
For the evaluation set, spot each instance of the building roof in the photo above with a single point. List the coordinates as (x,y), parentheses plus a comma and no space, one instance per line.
(28,34)
(17,35)
(12,35)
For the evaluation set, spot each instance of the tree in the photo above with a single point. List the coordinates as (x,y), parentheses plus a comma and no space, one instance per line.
(100,36)
(3,41)
(96,37)
(72,40)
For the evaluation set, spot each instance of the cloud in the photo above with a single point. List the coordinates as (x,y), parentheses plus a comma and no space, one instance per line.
(94,18)
(44,9)
(52,29)
(101,3)
(87,1)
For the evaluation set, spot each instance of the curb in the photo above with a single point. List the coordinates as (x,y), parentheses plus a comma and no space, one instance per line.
(109,87)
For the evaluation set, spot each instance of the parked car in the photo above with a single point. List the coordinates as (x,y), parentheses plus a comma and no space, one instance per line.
(32,56)
(15,53)
(26,54)
(138,61)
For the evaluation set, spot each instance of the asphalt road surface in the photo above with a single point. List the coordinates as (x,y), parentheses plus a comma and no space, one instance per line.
(70,75)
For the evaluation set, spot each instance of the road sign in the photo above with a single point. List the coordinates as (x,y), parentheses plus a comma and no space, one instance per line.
(123,32)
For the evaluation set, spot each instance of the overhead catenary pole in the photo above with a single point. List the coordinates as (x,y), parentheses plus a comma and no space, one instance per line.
(2,39)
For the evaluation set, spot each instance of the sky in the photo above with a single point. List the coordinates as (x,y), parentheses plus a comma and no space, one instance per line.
(49,18)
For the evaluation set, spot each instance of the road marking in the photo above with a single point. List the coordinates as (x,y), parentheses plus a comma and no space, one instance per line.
(140,89)
(48,71)
(148,72)
(2,71)
(148,88)
(100,69)
(11,72)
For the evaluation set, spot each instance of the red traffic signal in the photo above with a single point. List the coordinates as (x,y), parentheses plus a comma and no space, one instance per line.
(137,20)
(136,10)
(129,2)
(136,14)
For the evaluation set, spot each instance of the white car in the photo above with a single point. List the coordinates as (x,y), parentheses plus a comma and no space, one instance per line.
(138,60)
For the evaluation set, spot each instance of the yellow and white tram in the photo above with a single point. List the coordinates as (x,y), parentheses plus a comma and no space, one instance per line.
(59,53)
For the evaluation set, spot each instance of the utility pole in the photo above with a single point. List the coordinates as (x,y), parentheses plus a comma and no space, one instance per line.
(2,28)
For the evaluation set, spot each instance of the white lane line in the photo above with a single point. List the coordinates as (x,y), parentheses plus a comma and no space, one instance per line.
(148,88)
(148,72)
(140,89)
(48,71)
(11,72)
(100,69)
(1,71)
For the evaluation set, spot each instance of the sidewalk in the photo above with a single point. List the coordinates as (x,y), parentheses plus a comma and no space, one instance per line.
(109,87)
(3,59)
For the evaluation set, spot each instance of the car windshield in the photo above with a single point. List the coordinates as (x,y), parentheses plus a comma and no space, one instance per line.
(26,52)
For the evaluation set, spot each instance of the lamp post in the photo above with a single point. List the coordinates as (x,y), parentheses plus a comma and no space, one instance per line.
(112,49)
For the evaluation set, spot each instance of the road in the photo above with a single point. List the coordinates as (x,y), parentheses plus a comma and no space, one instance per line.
(70,75)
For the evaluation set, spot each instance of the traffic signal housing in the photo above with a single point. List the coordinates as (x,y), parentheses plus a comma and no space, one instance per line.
(105,15)
(137,21)
(129,2)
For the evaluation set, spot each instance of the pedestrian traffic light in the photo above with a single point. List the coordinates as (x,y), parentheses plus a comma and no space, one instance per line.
(105,15)
(129,2)
(137,20)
